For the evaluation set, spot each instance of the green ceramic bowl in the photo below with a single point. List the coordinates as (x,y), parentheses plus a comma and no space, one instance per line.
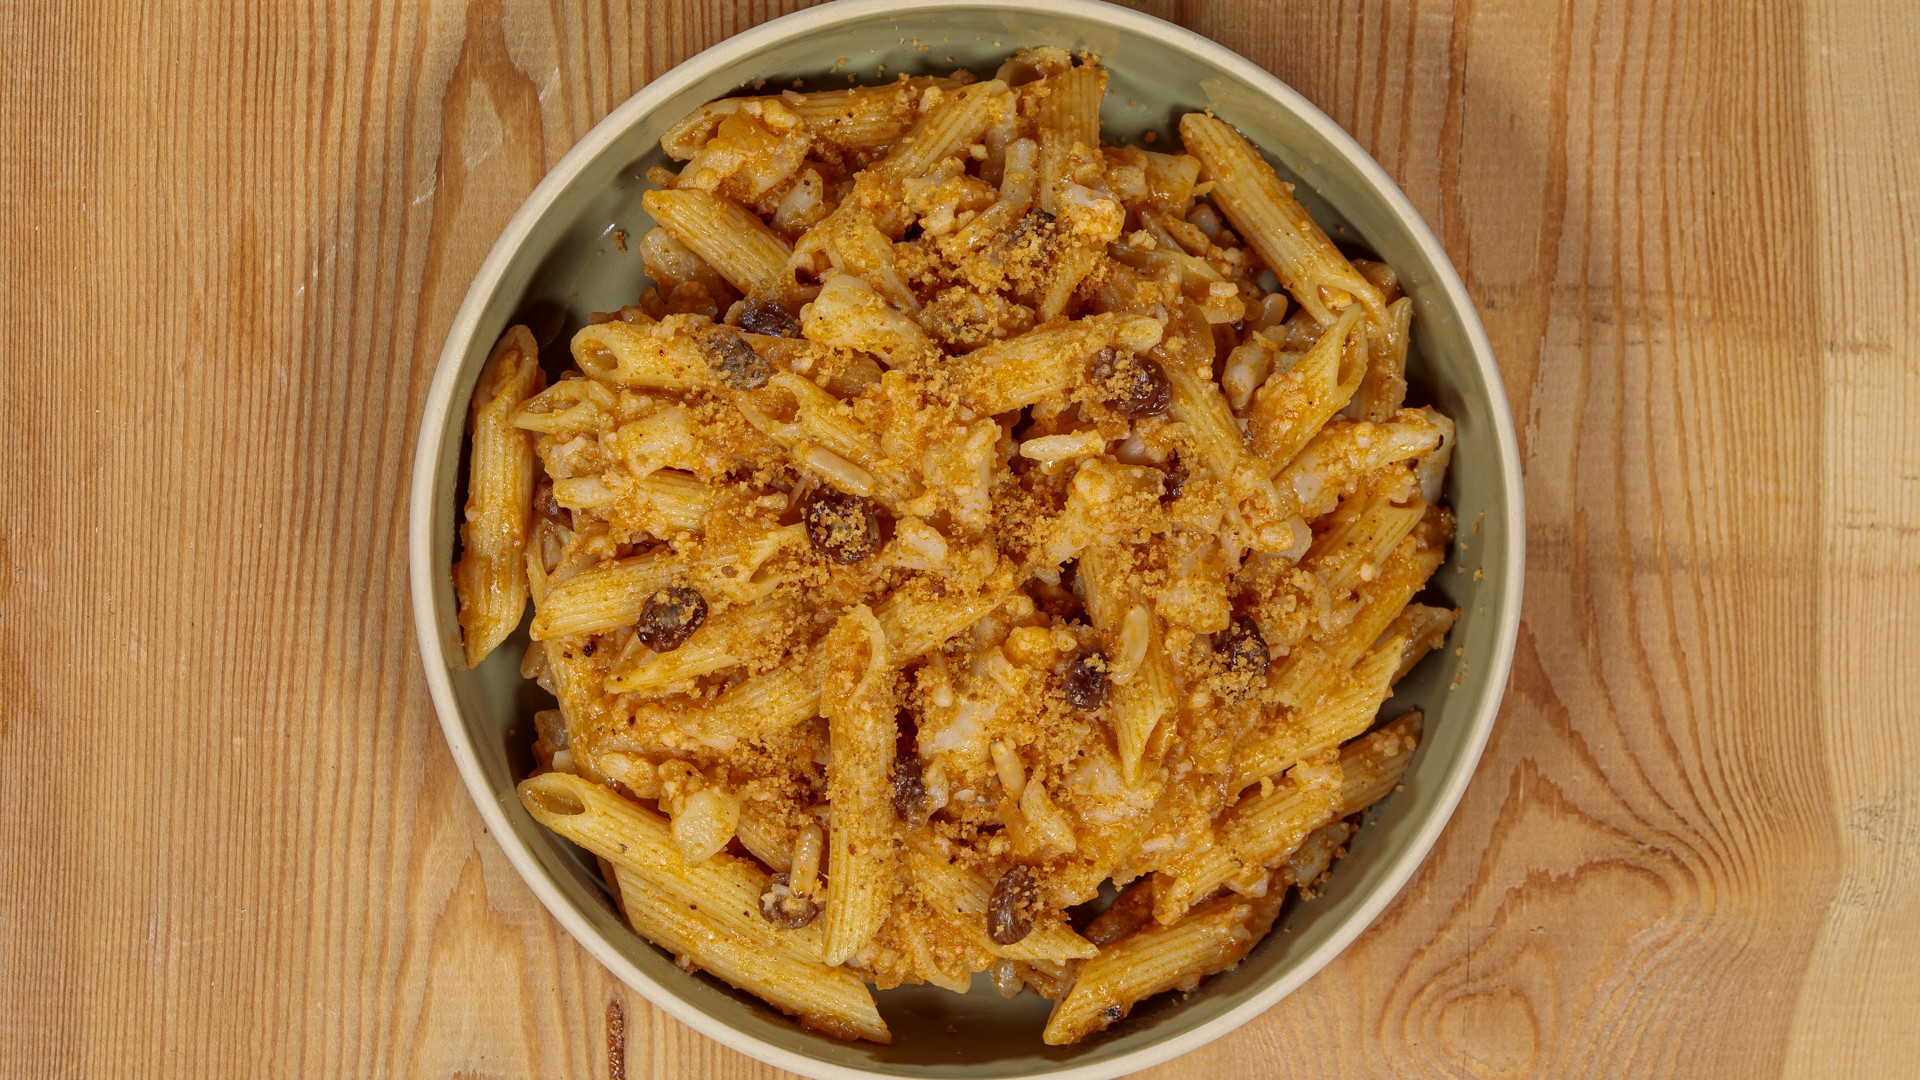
(557,258)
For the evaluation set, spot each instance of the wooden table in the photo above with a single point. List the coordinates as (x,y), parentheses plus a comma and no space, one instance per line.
(232,842)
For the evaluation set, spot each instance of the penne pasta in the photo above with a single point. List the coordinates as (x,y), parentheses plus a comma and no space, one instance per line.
(1139,702)
(752,257)
(726,889)
(490,578)
(1384,387)
(1155,959)
(1292,407)
(828,999)
(856,118)
(1263,209)
(1045,361)
(649,355)
(858,701)
(1346,710)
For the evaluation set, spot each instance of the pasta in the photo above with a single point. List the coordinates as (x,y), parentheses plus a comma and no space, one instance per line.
(954,527)
(491,573)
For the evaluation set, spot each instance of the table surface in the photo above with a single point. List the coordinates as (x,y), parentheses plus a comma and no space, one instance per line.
(232,842)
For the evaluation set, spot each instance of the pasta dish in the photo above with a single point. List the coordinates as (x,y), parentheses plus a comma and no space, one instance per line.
(981,549)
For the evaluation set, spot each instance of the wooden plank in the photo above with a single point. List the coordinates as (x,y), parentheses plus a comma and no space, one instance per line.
(1861,97)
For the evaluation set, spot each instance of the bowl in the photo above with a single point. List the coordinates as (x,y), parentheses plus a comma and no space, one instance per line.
(562,256)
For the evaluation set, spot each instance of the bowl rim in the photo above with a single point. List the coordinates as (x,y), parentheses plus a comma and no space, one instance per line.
(437,412)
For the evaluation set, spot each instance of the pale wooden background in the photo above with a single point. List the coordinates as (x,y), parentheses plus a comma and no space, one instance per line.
(232,842)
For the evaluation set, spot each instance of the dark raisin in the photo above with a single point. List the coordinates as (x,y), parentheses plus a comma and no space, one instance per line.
(842,527)
(729,354)
(1033,222)
(765,315)
(1010,912)
(910,799)
(670,617)
(1176,480)
(1245,652)
(1148,393)
(548,507)
(1086,682)
(783,907)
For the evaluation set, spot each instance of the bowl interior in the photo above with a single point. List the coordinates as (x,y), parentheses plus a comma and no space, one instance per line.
(573,261)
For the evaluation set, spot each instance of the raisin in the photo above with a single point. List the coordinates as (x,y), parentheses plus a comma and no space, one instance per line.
(729,354)
(1102,366)
(910,799)
(670,617)
(1245,652)
(784,908)
(1033,222)
(841,527)
(1176,480)
(1010,912)
(765,315)
(1148,392)
(548,507)
(1086,682)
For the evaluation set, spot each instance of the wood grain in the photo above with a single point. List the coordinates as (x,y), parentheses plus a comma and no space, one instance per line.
(234,237)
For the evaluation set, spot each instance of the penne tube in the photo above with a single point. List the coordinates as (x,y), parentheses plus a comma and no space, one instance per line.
(1415,632)
(611,594)
(858,701)
(567,408)
(604,597)
(1155,959)
(1199,403)
(1264,210)
(1070,105)
(790,694)
(671,501)
(856,118)
(822,421)
(1137,704)
(720,644)
(1348,709)
(765,836)
(490,580)
(1372,765)
(725,888)
(1309,674)
(740,248)
(1264,829)
(660,355)
(946,129)
(1045,361)
(1258,832)
(1365,530)
(1292,407)
(1384,387)
(829,999)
